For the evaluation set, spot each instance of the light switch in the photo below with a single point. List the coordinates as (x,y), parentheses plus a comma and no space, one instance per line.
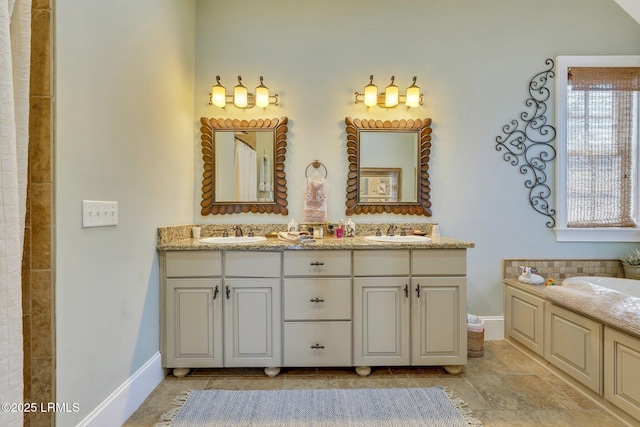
(99,214)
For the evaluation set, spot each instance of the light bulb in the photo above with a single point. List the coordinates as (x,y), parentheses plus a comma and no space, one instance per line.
(240,94)
(262,95)
(413,95)
(391,94)
(370,94)
(218,94)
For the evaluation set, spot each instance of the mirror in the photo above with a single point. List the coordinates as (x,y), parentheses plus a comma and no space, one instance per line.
(388,166)
(243,166)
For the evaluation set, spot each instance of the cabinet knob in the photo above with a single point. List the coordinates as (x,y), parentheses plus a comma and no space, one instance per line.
(215,292)
(316,300)
(317,346)
(406,291)
(317,263)
(228,291)
(418,290)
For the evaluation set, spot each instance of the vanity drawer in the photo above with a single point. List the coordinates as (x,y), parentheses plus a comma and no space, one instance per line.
(317,263)
(317,299)
(317,344)
(193,263)
(252,264)
(439,262)
(380,262)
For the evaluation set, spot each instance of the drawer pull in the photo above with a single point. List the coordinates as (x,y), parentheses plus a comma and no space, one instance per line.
(215,292)
(317,346)
(316,300)
(317,263)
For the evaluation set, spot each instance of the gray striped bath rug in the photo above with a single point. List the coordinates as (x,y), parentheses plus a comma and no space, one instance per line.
(402,407)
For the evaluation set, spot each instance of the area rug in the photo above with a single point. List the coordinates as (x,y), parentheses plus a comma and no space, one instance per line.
(402,407)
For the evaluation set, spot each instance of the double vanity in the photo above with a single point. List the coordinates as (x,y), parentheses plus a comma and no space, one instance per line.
(251,301)
(350,302)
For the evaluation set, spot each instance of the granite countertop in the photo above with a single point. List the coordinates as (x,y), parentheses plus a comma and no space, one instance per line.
(534,289)
(605,305)
(328,243)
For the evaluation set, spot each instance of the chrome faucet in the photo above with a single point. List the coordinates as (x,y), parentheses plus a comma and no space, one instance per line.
(391,230)
(238,230)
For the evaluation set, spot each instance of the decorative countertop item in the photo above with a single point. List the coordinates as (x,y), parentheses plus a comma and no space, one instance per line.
(529,277)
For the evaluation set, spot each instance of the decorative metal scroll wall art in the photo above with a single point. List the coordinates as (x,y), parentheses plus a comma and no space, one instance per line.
(528,143)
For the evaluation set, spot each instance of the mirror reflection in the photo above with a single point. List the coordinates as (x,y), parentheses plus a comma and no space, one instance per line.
(388,166)
(243,166)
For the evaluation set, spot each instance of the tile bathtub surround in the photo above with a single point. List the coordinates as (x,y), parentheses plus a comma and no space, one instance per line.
(181,232)
(561,269)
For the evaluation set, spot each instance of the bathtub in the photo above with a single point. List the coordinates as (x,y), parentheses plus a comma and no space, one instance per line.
(629,287)
(602,314)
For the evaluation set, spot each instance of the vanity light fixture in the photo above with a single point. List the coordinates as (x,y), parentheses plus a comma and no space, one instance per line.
(390,97)
(241,97)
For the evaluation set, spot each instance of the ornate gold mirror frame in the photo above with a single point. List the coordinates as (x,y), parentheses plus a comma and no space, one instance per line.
(208,129)
(423,130)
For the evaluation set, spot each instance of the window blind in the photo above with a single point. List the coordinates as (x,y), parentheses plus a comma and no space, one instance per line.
(602,122)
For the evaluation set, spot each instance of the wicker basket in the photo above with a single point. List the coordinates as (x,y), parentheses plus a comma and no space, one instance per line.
(475,344)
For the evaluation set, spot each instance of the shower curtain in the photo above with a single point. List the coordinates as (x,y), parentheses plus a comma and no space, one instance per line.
(15,52)
(246,173)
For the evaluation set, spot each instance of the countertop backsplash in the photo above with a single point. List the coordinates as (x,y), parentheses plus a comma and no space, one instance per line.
(559,269)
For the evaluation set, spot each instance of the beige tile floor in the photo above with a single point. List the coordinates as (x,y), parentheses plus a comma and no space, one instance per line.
(504,387)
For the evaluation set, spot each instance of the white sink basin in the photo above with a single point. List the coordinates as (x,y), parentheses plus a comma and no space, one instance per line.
(399,239)
(232,240)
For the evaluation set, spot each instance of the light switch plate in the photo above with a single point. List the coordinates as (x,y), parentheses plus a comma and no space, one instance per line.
(99,214)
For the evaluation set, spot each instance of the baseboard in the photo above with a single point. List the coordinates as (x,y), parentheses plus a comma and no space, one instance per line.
(123,402)
(493,328)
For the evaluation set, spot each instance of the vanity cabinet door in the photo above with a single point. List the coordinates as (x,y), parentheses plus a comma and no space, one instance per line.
(524,318)
(252,326)
(622,370)
(573,344)
(381,321)
(193,323)
(438,321)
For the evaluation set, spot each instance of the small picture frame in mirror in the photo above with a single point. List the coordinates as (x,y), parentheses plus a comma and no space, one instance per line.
(380,185)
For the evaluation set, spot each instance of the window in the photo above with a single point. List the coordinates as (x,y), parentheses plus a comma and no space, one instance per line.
(598,112)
